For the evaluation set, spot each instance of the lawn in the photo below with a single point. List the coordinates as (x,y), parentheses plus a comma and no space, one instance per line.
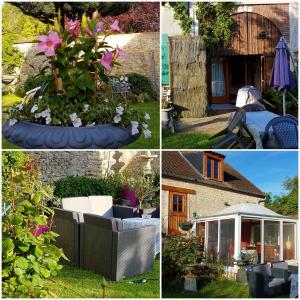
(214,289)
(183,140)
(75,283)
(152,108)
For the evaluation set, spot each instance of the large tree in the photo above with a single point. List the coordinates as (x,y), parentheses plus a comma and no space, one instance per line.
(286,204)
(47,11)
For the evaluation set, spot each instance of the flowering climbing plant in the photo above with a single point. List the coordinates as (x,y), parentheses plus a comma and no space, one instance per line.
(79,90)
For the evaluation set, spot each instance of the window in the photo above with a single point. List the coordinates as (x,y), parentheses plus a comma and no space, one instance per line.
(213,167)
(177,203)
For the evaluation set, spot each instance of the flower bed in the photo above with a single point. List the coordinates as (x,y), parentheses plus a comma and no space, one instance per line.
(77,93)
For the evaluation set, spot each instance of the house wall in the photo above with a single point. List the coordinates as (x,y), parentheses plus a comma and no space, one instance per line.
(58,164)
(168,25)
(208,200)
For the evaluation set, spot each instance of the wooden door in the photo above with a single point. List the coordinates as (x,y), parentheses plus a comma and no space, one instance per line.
(220,95)
(177,211)
(267,65)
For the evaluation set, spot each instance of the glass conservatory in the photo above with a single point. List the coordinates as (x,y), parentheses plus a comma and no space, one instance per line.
(251,230)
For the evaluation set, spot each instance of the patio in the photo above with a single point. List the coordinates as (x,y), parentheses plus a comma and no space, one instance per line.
(249,229)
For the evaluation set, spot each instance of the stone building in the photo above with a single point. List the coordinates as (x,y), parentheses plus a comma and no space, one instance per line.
(58,164)
(200,183)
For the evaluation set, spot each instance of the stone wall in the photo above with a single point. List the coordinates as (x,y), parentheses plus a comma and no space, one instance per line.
(58,164)
(208,200)
(143,56)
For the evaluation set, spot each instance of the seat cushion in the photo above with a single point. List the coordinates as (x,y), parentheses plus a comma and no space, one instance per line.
(78,204)
(101,206)
(280,265)
(263,268)
(276,282)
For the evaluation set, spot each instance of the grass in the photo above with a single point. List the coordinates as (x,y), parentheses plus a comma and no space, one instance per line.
(75,283)
(215,289)
(183,140)
(151,108)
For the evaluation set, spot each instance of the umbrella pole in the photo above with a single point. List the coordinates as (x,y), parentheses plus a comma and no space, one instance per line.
(283,102)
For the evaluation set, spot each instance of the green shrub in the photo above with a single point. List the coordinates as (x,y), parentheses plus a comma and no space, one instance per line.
(11,56)
(178,252)
(77,186)
(32,82)
(141,82)
(27,257)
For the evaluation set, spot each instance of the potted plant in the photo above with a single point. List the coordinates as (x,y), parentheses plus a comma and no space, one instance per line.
(186,226)
(74,108)
(166,108)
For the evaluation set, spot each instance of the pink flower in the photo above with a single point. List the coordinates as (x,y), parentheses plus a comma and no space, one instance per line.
(88,31)
(106,61)
(115,26)
(49,43)
(73,27)
(99,27)
(121,52)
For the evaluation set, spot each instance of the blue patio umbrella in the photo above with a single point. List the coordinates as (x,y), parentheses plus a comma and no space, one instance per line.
(281,77)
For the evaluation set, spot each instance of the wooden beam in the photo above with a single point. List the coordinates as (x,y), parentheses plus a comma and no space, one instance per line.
(178,189)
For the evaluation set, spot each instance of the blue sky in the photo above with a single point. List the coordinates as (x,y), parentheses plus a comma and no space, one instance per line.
(266,169)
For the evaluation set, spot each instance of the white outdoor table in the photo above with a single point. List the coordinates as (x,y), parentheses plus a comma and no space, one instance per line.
(140,222)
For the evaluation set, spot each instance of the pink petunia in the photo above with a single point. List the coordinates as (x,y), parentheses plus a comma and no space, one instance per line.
(74,27)
(121,52)
(106,61)
(49,43)
(99,27)
(115,26)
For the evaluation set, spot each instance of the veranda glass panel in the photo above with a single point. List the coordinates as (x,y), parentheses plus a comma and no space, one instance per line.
(288,241)
(251,240)
(271,243)
(227,240)
(212,240)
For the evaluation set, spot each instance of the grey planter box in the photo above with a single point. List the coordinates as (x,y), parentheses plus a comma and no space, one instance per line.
(36,136)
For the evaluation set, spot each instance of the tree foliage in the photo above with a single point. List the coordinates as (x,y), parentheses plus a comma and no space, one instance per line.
(28,257)
(47,11)
(286,204)
(215,24)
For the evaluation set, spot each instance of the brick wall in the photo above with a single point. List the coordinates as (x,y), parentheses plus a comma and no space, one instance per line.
(58,164)
(208,200)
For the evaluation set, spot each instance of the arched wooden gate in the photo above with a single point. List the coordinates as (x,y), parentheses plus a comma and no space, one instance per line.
(246,60)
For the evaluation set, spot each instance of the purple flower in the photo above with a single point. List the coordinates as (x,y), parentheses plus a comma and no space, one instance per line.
(115,26)
(106,61)
(49,43)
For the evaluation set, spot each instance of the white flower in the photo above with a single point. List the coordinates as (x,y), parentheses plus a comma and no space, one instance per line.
(91,125)
(34,108)
(106,100)
(73,116)
(117,119)
(119,110)
(12,122)
(126,79)
(147,117)
(147,133)
(145,125)
(86,107)
(48,120)
(121,78)
(134,131)
(46,113)
(19,106)
(40,97)
(77,122)
(38,115)
(134,124)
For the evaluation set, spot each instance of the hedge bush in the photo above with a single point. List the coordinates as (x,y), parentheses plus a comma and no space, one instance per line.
(143,83)
(78,186)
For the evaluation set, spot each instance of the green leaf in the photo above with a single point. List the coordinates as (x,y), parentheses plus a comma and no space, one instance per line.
(38,252)
(46,273)
(36,280)
(21,262)
(7,246)
(23,247)
(37,198)
(16,219)
(19,271)
(41,220)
